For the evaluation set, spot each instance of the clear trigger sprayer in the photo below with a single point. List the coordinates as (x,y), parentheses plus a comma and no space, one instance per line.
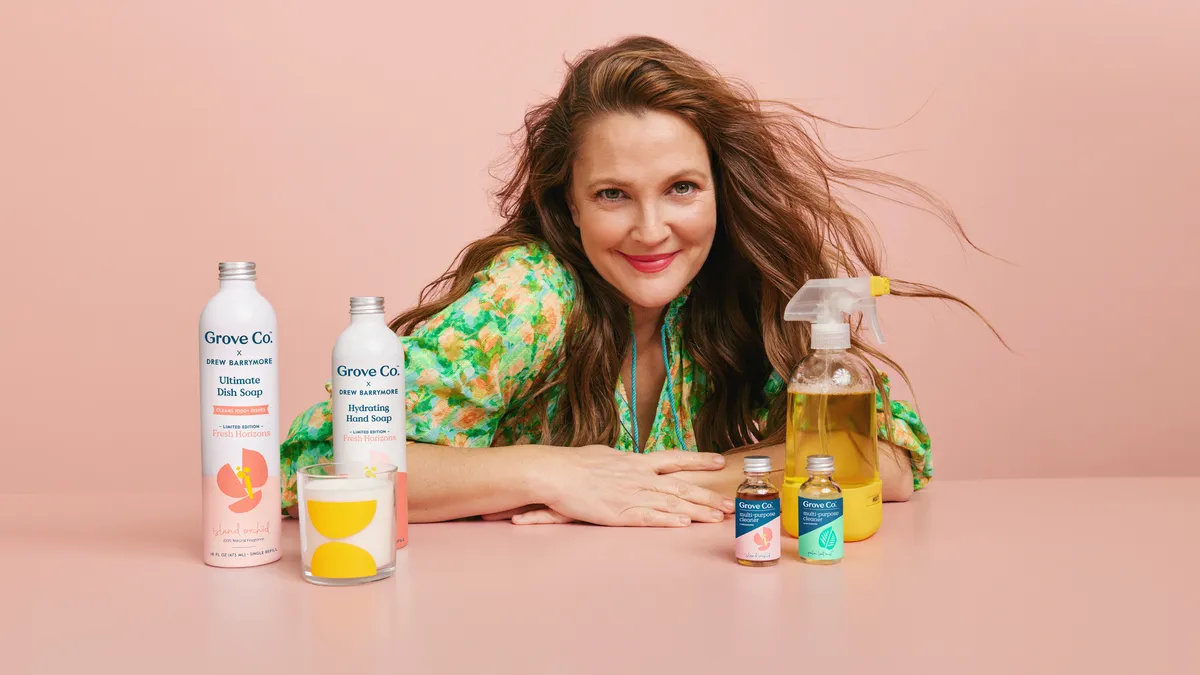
(823,302)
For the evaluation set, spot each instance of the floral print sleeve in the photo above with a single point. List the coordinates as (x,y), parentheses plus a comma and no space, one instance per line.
(907,431)
(774,387)
(468,365)
(475,360)
(307,442)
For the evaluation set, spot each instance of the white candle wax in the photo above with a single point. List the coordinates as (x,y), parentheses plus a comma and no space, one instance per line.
(378,538)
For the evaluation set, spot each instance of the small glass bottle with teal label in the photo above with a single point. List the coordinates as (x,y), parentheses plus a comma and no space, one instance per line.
(757,519)
(820,514)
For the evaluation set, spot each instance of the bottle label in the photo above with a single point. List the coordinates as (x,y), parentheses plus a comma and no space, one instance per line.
(757,527)
(368,412)
(239,415)
(820,528)
(369,424)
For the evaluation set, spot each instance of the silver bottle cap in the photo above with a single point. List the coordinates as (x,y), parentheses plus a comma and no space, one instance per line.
(366,305)
(820,463)
(236,271)
(757,464)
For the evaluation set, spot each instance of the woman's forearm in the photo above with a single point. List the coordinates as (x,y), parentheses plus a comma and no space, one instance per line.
(594,484)
(894,471)
(447,483)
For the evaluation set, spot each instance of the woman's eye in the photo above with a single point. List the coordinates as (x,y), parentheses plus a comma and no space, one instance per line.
(610,194)
(683,188)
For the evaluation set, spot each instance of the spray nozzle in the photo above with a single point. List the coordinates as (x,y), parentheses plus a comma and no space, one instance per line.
(824,303)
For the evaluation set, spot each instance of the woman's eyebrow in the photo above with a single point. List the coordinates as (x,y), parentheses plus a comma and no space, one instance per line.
(606,182)
(688,173)
(678,175)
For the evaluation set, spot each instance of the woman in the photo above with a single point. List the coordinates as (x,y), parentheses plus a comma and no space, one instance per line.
(630,311)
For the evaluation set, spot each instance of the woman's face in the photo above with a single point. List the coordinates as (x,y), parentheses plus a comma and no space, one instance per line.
(642,197)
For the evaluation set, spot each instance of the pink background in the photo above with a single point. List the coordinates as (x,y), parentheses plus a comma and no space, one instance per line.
(345,148)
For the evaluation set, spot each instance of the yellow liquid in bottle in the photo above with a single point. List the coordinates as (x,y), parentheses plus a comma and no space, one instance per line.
(843,425)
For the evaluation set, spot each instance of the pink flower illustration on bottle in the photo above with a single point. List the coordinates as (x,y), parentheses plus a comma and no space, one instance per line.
(763,538)
(244,482)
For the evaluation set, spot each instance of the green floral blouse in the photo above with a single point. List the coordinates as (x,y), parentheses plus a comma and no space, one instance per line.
(470,367)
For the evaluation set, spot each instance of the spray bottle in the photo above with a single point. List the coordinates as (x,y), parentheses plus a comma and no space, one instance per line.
(831,402)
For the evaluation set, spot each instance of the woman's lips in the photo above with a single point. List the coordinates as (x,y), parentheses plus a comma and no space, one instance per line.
(649,264)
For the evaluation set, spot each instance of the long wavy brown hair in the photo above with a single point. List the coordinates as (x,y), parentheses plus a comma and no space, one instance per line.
(778,225)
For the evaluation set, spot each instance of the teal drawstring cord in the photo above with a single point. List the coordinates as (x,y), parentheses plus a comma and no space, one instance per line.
(637,438)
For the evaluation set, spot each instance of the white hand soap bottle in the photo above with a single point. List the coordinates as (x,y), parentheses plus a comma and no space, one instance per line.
(368,398)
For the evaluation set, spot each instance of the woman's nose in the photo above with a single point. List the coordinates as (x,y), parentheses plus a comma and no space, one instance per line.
(651,228)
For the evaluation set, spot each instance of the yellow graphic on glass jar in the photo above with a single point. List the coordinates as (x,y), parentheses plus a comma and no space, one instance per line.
(339,560)
(338,520)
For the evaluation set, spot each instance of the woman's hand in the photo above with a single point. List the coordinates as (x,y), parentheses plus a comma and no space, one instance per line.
(600,485)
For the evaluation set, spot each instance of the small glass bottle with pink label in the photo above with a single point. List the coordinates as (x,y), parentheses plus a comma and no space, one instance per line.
(757,519)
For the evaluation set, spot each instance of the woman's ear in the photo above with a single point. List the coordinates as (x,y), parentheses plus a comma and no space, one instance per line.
(571,206)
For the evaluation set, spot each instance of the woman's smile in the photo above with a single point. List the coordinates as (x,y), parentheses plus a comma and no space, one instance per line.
(649,264)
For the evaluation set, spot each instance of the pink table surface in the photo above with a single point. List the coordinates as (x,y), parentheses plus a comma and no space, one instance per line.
(1053,576)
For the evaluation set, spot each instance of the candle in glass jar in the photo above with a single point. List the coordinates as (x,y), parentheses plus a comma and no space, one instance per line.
(349,526)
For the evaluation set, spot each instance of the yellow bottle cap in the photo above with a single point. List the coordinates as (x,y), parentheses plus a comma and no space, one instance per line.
(881,286)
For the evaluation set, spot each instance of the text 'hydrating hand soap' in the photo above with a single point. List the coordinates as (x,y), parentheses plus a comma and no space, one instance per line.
(239,422)
(368,398)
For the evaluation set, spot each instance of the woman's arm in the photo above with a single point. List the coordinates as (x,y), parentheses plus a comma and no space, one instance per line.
(894,471)
(904,463)
(728,479)
(447,483)
(593,484)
